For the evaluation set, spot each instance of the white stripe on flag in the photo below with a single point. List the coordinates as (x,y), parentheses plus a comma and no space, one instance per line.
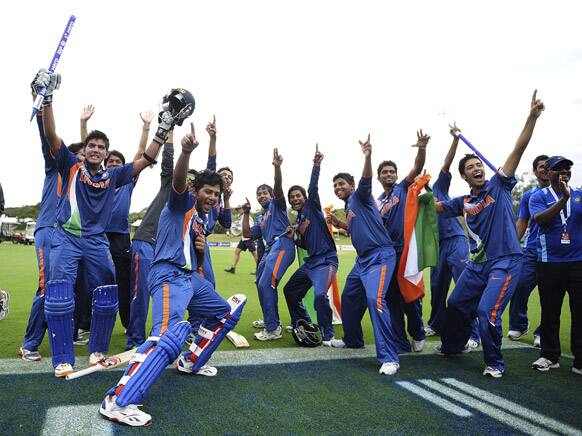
(411,272)
(435,399)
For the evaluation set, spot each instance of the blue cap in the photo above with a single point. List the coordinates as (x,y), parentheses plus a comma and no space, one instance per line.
(554,161)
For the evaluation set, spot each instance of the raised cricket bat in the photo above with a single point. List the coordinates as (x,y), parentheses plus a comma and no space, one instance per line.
(239,341)
(108,363)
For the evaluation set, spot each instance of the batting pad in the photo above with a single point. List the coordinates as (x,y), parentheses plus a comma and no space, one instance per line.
(105,305)
(148,363)
(59,308)
(208,339)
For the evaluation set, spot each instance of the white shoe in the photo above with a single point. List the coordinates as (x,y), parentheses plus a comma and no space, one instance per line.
(417,346)
(29,356)
(4,300)
(328,343)
(577,370)
(269,336)
(185,365)
(259,324)
(429,331)
(63,370)
(492,372)
(389,368)
(129,415)
(439,349)
(543,364)
(537,342)
(337,343)
(289,328)
(472,344)
(515,335)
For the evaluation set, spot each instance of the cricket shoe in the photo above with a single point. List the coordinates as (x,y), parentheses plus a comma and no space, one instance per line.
(28,355)
(492,372)
(515,335)
(230,270)
(130,415)
(269,336)
(4,300)
(289,328)
(259,324)
(473,344)
(328,343)
(430,332)
(389,368)
(537,342)
(185,365)
(337,343)
(543,364)
(439,349)
(63,370)
(99,358)
(417,346)
(577,370)
(82,337)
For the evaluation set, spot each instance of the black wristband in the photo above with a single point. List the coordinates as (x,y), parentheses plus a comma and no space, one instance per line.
(150,160)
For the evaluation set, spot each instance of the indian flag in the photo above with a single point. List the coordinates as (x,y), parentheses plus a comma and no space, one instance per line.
(421,239)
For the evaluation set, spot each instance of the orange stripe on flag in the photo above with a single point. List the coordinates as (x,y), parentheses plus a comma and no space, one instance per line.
(498,302)
(166,309)
(276,269)
(41,270)
(380,287)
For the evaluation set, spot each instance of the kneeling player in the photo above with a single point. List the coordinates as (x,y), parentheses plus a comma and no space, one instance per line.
(180,243)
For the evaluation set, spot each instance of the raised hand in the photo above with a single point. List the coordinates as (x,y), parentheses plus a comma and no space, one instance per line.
(189,142)
(366,147)
(277,158)
(44,79)
(318,156)
(211,127)
(454,130)
(147,117)
(246,207)
(422,139)
(87,113)
(537,106)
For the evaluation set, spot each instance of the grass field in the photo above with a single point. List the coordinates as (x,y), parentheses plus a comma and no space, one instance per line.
(278,388)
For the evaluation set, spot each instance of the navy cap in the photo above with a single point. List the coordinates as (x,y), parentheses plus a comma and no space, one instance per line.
(554,161)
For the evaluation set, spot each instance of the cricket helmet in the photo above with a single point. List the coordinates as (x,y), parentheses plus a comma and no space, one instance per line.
(307,334)
(180,103)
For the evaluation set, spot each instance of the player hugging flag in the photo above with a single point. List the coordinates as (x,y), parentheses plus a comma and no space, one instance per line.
(421,239)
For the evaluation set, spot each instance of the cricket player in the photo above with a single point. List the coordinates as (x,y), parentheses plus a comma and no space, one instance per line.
(276,231)
(320,267)
(518,322)
(392,203)
(491,275)
(142,251)
(453,252)
(367,282)
(43,232)
(179,247)
(84,210)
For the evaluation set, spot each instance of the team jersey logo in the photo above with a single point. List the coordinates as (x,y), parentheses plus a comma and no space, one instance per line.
(84,177)
(386,204)
(350,215)
(477,208)
(303,226)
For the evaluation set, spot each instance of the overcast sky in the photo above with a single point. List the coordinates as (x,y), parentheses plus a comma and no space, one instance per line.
(290,74)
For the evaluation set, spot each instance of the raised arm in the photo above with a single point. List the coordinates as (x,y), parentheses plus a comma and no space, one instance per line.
(146,118)
(246,224)
(148,157)
(211,129)
(189,143)
(452,150)
(167,162)
(278,186)
(51,82)
(510,165)
(367,150)
(421,143)
(85,116)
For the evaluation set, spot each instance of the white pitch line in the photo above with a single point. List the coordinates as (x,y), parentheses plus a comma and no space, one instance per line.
(435,399)
(76,420)
(513,407)
(499,415)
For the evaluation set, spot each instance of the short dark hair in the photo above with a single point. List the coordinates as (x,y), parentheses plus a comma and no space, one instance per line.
(387,163)
(346,176)
(97,134)
(464,159)
(226,169)
(538,159)
(296,188)
(208,177)
(267,187)
(116,154)
(75,147)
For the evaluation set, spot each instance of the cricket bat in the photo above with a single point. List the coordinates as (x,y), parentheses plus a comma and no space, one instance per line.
(108,363)
(239,341)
